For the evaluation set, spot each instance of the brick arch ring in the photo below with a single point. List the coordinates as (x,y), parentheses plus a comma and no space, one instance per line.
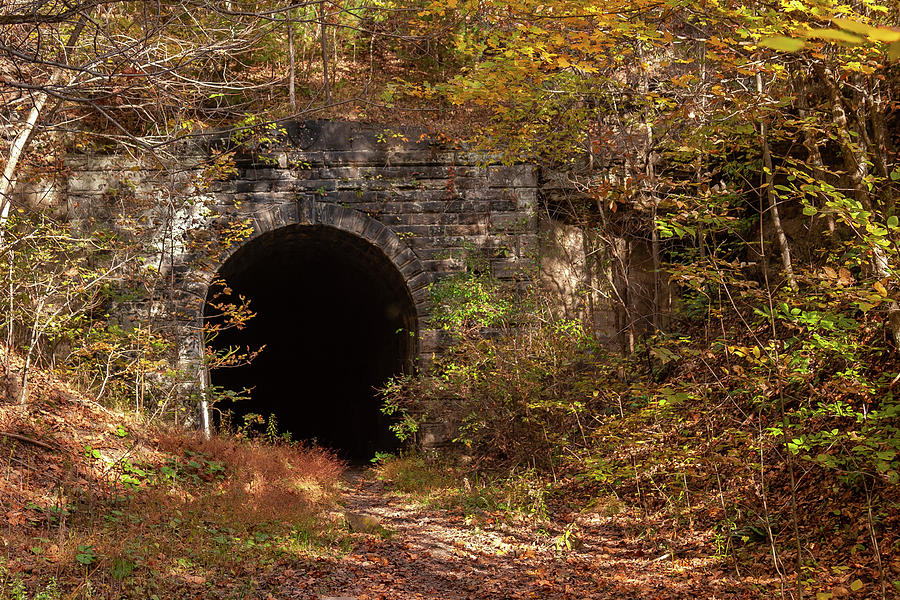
(269,218)
(265,219)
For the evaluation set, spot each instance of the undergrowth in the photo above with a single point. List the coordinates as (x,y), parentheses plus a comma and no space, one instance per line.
(116,512)
(777,440)
(445,484)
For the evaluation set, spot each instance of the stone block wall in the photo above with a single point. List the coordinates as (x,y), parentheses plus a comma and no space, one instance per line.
(425,204)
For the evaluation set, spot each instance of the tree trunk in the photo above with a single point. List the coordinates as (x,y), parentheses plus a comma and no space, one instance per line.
(856,171)
(769,182)
(812,148)
(650,174)
(854,161)
(23,137)
(292,93)
(324,40)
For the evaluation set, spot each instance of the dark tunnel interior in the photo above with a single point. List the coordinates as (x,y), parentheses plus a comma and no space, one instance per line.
(336,319)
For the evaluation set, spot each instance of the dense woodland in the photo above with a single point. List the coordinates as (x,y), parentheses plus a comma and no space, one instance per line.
(742,156)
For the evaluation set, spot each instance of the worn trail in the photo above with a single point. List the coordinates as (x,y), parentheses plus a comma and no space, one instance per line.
(407,551)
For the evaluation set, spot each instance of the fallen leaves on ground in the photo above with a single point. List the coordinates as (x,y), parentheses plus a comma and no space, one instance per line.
(433,553)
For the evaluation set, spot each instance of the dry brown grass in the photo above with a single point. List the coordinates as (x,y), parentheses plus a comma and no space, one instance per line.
(119,510)
(264,481)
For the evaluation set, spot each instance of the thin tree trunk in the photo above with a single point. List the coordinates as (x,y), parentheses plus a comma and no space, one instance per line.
(8,180)
(785,425)
(292,93)
(870,114)
(324,40)
(769,182)
(650,173)
(205,420)
(588,275)
(623,257)
(10,317)
(854,160)
(36,332)
(856,171)
(812,148)
(875,108)
(21,140)
(874,538)
(655,250)
(617,276)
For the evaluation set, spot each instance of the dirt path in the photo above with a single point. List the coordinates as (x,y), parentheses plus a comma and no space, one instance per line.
(425,553)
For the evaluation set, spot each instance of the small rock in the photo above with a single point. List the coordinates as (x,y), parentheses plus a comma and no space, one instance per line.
(362,523)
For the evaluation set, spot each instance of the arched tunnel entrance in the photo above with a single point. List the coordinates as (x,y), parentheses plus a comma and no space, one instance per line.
(336,319)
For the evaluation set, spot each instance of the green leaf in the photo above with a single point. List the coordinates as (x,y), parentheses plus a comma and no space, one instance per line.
(893,222)
(85,554)
(782,43)
(810,210)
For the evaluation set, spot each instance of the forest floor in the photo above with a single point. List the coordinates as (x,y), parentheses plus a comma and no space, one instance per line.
(94,504)
(404,548)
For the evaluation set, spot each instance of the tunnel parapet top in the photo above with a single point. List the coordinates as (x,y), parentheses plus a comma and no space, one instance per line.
(422,202)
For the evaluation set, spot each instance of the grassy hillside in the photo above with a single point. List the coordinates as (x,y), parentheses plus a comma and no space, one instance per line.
(97,505)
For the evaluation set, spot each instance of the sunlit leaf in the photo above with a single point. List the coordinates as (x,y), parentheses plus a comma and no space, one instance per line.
(836,35)
(884,34)
(854,26)
(782,43)
(894,51)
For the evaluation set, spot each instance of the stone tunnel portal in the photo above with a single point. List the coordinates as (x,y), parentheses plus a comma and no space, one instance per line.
(336,320)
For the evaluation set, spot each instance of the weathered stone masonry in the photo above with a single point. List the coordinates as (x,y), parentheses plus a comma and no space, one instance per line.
(424,205)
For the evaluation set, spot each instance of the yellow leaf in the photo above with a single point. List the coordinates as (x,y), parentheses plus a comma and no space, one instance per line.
(794,6)
(854,26)
(855,65)
(856,585)
(894,51)
(835,35)
(782,43)
(885,34)
(879,287)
